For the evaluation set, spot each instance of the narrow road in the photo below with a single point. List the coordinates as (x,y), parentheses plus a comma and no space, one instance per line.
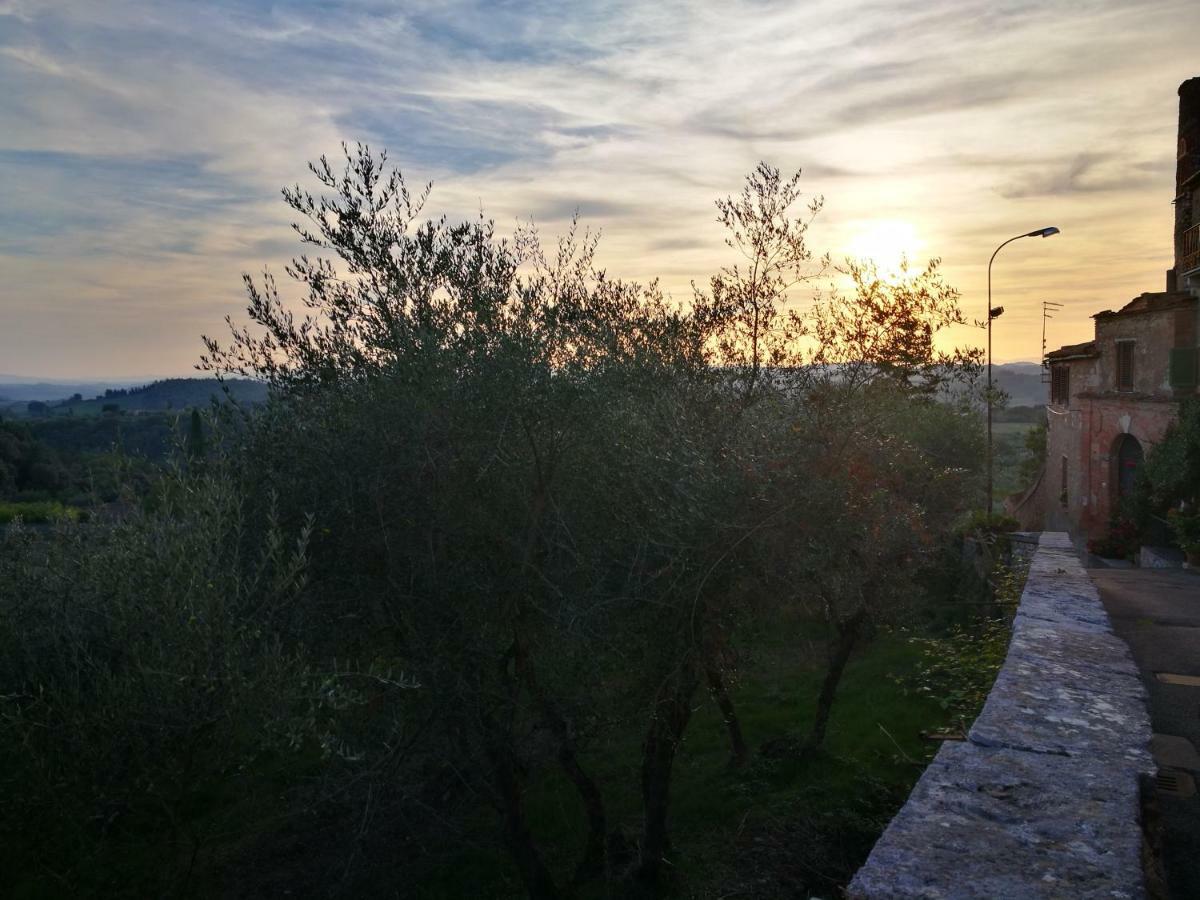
(1157,612)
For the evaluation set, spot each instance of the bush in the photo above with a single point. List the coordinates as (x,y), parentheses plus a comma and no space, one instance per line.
(1121,542)
(959,668)
(986,525)
(37,512)
(1186,525)
(1170,477)
(145,671)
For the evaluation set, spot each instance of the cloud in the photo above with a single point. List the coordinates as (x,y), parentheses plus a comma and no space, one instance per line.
(143,144)
(1086,173)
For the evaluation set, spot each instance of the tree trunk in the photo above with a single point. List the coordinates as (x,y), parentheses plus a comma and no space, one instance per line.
(737,743)
(538,881)
(847,636)
(592,862)
(672,709)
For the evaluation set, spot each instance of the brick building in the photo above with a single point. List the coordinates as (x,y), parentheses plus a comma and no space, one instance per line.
(1112,397)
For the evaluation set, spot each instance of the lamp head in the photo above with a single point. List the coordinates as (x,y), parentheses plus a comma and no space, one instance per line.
(1043,232)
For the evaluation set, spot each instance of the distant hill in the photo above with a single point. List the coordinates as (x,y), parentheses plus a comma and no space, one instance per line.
(15,388)
(1022,382)
(167,394)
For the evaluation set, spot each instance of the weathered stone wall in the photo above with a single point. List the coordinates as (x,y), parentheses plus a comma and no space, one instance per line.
(1042,799)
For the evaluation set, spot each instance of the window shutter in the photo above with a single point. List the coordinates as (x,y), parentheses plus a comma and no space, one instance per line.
(1060,385)
(1183,367)
(1124,365)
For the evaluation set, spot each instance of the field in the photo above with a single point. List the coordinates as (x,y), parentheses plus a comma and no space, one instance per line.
(1009,450)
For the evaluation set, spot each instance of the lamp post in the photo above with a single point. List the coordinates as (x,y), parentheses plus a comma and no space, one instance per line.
(995,313)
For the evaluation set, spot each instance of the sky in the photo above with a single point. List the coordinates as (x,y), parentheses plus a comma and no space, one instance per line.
(143,145)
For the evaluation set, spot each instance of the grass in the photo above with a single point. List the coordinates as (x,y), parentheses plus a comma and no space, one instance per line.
(38,512)
(872,757)
(764,829)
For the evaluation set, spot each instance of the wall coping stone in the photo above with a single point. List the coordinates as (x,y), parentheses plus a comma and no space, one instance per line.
(1043,798)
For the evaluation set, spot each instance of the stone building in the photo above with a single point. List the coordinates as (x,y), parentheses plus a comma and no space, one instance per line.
(1112,398)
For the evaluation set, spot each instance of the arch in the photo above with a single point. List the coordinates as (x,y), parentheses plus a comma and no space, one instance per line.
(1128,456)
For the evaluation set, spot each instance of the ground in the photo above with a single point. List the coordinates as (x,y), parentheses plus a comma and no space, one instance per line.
(1157,612)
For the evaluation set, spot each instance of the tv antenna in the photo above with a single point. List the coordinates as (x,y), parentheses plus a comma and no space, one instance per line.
(1049,308)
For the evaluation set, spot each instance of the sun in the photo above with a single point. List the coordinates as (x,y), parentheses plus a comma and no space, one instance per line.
(885,242)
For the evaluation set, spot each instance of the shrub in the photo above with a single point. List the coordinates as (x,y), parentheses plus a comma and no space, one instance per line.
(1170,477)
(959,668)
(145,672)
(1121,542)
(38,512)
(1186,525)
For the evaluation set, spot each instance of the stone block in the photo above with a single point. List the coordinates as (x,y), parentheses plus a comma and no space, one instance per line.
(1042,800)
(1161,558)
(993,822)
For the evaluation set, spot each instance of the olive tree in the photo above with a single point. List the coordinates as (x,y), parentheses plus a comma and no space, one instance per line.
(551,496)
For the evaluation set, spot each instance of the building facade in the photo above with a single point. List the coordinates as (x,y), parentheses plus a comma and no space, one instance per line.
(1185,275)
(1113,397)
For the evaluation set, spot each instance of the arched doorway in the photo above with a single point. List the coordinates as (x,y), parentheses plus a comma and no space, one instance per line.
(1129,460)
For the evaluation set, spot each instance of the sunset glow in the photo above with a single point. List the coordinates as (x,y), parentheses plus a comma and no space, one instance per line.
(143,145)
(887,244)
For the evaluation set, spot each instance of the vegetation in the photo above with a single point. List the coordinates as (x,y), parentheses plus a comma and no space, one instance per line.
(170,394)
(80,464)
(147,678)
(27,464)
(525,579)
(37,512)
(1029,415)
(1168,484)
(1019,452)
(959,664)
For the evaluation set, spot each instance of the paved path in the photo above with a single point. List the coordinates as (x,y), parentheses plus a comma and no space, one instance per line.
(1157,612)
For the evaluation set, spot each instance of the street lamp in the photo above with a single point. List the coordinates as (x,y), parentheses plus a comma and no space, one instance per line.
(994,312)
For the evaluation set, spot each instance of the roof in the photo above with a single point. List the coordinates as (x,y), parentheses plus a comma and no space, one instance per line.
(1085,350)
(1158,301)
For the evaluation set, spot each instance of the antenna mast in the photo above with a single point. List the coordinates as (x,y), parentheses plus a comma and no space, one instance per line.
(1048,310)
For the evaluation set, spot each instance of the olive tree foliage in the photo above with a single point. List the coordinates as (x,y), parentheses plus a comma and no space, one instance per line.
(880,328)
(857,471)
(143,664)
(459,411)
(744,304)
(550,496)
(877,469)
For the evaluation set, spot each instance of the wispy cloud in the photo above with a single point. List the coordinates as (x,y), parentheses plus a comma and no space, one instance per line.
(143,143)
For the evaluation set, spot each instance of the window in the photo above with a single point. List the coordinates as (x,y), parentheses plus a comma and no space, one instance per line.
(1060,385)
(1183,368)
(1062,494)
(1124,365)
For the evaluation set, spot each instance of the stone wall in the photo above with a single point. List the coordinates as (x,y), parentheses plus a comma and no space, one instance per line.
(1042,799)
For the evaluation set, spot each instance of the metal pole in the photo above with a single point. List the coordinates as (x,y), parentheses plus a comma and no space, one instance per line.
(1041,232)
(989,385)
(989,370)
